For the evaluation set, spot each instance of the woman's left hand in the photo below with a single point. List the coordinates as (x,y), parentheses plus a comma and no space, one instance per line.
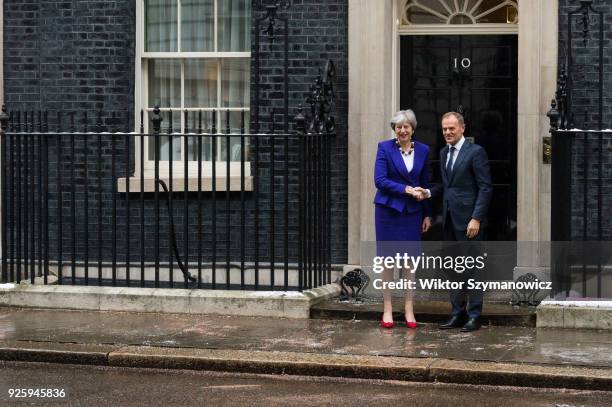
(426,224)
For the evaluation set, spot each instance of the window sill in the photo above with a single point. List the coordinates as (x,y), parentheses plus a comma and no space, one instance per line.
(192,184)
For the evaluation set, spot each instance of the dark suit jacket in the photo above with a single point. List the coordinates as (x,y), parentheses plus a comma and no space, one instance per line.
(466,194)
(391,177)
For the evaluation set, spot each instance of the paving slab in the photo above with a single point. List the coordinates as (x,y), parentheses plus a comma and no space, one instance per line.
(89,326)
(204,340)
(491,343)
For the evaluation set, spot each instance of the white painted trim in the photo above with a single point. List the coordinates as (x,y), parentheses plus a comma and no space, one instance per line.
(138,91)
(182,115)
(456,29)
(216,154)
(178,25)
(537,72)
(216,26)
(178,167)
(178,183)
(141,93)
(371,32)
(192,55)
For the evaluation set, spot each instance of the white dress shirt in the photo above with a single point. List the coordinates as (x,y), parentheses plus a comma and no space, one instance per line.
(448,156)
(409,160)
(457,149)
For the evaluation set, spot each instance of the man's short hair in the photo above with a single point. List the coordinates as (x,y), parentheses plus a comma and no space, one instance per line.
(458,116)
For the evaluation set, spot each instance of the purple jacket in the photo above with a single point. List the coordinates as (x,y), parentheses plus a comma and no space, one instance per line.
(391,177)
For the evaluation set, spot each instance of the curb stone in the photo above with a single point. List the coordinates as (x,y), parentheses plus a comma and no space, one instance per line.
(313,364)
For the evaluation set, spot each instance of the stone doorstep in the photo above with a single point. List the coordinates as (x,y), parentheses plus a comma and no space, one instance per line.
(427,311)
(575,314)
(290,304)
(313,364)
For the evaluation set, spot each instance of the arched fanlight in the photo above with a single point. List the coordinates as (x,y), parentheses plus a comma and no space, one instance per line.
(458,12)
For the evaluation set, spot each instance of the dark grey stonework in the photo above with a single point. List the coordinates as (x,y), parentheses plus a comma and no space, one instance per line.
(585,110)
(79,56)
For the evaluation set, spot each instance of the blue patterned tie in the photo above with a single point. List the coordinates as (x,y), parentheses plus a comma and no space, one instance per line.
(449,164)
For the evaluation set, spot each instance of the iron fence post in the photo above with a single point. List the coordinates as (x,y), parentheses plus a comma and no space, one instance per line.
(156,119)
(3,126)
(300,126)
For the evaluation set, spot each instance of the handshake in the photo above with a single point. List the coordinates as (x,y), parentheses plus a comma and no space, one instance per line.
(417,193)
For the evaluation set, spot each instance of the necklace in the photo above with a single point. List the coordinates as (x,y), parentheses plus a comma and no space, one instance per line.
(404,153)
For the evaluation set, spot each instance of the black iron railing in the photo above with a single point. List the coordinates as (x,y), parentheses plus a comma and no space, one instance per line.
(581,233)
(92,206)
(581,151)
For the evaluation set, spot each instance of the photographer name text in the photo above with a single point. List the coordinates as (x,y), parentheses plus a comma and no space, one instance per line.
(470,284)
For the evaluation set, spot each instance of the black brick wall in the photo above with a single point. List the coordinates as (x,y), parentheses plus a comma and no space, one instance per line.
(79,56)
(585,109)
(72,55)
(585,63)
(318,31)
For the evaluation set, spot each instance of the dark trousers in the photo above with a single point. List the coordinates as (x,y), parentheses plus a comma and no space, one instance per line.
(464,301)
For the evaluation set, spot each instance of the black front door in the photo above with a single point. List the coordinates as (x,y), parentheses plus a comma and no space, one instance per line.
(476,75)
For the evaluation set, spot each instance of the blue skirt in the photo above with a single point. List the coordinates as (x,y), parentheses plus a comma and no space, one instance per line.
(397,232)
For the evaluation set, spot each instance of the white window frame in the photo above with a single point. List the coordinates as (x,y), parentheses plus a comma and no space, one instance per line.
(141,98)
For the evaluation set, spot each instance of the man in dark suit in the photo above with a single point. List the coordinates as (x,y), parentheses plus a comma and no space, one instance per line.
(466,194)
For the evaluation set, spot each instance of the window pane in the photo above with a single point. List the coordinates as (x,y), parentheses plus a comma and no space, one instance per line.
(164,147)
(235,124)
(177,142)
(197,25)
(161,26)
(164,83)
(235,74)
(164,139)
(235,25)
(200,83)
(206,141)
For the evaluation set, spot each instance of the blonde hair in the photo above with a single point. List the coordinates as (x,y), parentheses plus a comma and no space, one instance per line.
(458,116)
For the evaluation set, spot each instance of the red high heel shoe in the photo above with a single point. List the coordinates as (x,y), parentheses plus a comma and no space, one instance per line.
(411,325)
(387,325)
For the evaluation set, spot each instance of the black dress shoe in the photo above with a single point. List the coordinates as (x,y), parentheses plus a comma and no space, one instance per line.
(454,322)
(471,325)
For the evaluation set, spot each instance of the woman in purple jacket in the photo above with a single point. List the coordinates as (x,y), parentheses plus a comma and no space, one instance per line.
(401,216)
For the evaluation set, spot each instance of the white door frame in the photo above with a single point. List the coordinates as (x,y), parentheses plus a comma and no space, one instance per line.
(374,96)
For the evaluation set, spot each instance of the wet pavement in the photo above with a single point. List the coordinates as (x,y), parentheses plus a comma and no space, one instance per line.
(98,386)
(541,346)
